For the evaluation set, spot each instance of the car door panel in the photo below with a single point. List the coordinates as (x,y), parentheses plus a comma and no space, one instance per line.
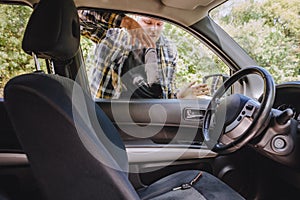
(158,120)
(161,136)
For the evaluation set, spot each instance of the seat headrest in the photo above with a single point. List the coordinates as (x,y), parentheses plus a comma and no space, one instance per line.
(53,30)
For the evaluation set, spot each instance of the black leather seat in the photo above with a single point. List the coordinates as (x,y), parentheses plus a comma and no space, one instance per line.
(73,148)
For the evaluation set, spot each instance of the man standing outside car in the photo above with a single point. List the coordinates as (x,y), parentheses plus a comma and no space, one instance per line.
(123,41)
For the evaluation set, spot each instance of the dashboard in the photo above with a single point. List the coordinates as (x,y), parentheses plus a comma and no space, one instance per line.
(288,96)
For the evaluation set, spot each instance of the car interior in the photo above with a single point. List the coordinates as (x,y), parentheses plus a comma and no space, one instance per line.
(57,142)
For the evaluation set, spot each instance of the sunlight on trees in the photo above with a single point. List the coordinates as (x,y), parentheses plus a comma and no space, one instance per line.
(269,30)
(195,59)
(13,60)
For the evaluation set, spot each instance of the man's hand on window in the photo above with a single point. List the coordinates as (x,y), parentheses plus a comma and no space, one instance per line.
(192,91)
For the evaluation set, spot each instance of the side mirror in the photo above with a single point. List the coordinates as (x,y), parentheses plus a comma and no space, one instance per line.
(214,81)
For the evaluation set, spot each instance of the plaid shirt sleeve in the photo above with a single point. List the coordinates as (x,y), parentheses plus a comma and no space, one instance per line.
(110,53)
(167,60)
(173,75)
(94,24)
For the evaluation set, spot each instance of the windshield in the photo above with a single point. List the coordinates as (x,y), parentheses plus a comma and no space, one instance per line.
(269,31)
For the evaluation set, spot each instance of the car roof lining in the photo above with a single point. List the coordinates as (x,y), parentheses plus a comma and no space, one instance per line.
(188,5)
(185,12)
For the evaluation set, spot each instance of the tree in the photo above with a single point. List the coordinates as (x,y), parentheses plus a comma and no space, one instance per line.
(269,30)
(13,60)
(195,59)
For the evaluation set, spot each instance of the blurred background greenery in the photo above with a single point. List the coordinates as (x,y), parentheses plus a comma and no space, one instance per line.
(269,30)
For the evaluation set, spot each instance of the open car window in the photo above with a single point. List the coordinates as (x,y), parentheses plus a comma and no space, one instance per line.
(123,64)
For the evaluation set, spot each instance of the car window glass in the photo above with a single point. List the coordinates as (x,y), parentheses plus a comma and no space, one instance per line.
(196,62)
(269,31)
(13,60)
(178,61)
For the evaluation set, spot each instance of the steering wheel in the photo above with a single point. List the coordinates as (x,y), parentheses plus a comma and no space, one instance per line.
(232,121)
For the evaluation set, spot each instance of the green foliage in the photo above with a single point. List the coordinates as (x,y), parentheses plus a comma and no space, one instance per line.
(13,60)
(87,47)
(269,30)
(195,60)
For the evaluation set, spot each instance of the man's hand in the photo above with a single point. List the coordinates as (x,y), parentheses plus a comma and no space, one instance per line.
(192,90)
(137,32)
